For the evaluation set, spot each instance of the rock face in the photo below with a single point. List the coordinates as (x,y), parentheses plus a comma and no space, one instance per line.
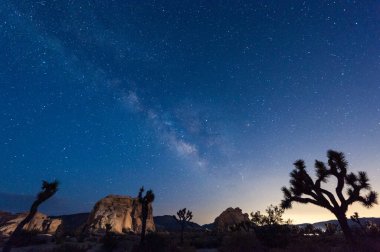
(123,213)
(72,224)
(40,223)
(229,217)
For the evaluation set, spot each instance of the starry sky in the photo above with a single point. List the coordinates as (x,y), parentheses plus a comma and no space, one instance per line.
(206,102)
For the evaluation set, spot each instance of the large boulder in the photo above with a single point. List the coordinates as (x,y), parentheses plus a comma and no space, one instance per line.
(123,213)
(229,217)
(40,223)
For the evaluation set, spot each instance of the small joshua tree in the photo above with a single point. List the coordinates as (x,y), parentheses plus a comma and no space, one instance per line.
(48,190)
(183,218)
(301,184)
(355,218)
(109,239)
(270,228)
(273,217)
(331,228)
(145,201)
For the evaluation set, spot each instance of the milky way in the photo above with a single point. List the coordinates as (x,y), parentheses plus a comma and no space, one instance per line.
(206,102)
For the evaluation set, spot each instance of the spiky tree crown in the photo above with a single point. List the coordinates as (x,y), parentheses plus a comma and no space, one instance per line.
(183,215)
(301,184)
(273,217)
(148,198)
(48,190)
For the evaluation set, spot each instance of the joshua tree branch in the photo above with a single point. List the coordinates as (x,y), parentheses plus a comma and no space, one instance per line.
(339,188)
(305,200)
(353,197)
(322,198)
(330,196)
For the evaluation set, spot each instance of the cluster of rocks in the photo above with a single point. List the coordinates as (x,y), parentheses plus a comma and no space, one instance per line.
(123,213)
(229,217)
(40,223)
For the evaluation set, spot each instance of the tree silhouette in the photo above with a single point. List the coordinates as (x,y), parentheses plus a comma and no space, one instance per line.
(183,218)
(355,218)
(331,228)
(273,217)
(48,190)
(145,201)
(244,225)
(301,184)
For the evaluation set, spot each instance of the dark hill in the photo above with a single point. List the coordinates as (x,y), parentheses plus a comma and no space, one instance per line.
(168,223)
(322,224)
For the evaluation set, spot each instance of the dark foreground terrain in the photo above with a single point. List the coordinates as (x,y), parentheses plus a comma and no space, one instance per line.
(198,241)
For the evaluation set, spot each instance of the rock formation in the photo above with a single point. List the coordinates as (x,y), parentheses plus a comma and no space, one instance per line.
(123,213)
(40,223)
(229,217)
(72,224)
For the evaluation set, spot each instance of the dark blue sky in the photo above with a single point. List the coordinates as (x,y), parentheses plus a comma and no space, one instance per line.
(206,102)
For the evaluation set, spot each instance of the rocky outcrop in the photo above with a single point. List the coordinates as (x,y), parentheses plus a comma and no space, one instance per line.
(229,217)
(72,224)
(40,223)
(123,213)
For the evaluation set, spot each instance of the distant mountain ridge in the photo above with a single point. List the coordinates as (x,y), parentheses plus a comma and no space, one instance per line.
(168,223)
(322,224)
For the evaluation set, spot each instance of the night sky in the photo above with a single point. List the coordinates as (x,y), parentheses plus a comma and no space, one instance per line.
(206,102)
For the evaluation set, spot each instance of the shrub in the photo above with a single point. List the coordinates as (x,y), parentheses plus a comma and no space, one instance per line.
(154,242)
(239,242)
(109,240)
(206,241)
(331,229)
(71,247)
(273,236)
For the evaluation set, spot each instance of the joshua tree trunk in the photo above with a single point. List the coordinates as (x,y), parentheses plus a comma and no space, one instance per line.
(16,234)
(143,226)
(342,219)
(182,228)
(144,201)
(48,190)
(183,218)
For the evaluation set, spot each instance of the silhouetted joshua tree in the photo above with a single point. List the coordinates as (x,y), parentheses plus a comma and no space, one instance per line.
(48,190)
(145,201)
(302,184)
(273,217)
(331,228)
(183,218)
(355,218)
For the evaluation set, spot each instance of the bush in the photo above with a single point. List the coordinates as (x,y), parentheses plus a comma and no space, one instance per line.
(372,229)
(206,241)
(109,240)
(71,247)
(331,229)
(26,238)
(273,236)
(154,242)
(239,242)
